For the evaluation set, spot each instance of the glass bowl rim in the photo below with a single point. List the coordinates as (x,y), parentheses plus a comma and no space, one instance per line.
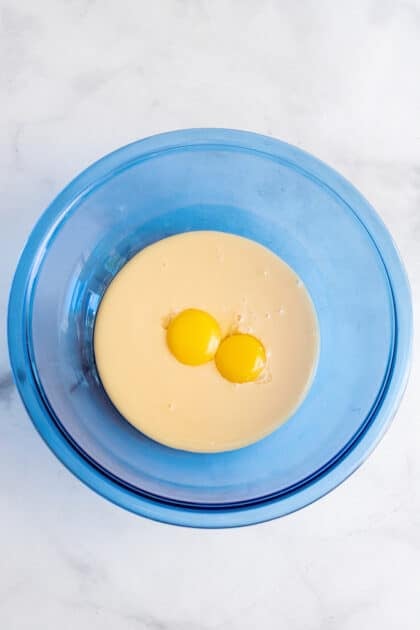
(51,221)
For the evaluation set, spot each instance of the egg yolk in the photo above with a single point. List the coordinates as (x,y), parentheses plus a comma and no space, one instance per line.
(193,336)
(240,358)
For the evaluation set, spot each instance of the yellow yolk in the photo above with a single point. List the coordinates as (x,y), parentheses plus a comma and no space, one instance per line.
(193,336)
(240,358)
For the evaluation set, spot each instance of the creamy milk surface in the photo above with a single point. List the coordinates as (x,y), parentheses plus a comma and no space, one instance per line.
(246,289)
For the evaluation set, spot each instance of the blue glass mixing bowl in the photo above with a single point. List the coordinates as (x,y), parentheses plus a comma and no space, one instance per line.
(258,187)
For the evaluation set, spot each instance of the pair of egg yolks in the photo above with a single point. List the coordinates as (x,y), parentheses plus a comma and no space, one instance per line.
(194,337)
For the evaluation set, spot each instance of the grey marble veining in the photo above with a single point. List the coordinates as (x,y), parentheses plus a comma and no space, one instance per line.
(82,77)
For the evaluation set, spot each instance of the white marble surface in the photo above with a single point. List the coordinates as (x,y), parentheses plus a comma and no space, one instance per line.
(78,79)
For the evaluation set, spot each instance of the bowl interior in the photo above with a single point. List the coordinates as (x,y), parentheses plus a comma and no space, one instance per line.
(249,193)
